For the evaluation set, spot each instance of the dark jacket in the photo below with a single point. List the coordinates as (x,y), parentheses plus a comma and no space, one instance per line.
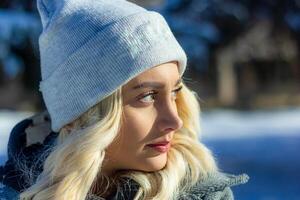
(30,143)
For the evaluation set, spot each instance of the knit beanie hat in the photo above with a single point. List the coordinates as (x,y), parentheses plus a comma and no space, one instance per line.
(89,48)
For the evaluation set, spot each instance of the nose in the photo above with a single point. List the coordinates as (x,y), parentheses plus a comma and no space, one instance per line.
(169,119)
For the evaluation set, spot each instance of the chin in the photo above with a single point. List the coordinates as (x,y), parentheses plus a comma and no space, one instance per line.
(155,163)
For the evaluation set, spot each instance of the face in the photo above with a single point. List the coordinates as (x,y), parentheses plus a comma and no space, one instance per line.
(149,116)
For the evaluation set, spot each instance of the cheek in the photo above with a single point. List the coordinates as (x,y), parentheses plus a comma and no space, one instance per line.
(137,125)
(129,151)
(134,133)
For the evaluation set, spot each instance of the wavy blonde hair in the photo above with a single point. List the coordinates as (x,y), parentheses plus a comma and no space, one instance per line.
(72,169)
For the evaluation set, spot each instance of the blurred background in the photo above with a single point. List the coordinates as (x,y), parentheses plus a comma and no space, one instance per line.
(243,61)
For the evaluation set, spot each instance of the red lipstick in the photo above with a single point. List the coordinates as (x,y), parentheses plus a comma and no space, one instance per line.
(161,146)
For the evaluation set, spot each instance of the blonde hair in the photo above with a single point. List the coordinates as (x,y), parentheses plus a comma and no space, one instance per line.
(72,168)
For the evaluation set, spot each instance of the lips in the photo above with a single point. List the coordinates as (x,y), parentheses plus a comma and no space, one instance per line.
(160,147)
(159,144)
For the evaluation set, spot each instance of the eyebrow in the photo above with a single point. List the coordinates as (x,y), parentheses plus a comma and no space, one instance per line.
(156,85)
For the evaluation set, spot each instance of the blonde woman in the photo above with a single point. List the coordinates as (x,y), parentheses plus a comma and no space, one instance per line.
(123,123)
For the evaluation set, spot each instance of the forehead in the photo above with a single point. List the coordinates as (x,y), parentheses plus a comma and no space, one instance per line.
(166,73)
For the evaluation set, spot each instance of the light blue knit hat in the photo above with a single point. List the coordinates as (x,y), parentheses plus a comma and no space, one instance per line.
(89,48)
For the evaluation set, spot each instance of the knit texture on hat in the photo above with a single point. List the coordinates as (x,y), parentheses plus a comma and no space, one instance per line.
(90,48)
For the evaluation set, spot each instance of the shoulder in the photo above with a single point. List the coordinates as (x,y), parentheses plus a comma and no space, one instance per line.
(7,193)
(30,142)
(216,186)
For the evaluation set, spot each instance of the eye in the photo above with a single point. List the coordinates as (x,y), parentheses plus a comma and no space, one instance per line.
(175,92)
(148,97)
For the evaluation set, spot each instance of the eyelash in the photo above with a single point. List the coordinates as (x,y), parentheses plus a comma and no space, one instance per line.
(153,93)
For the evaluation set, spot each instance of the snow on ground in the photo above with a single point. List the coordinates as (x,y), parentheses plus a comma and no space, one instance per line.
(216,124)
(229,124)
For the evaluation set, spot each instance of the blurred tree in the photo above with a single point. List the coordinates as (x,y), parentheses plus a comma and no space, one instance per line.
(5,4)
(1,74)
(204,28)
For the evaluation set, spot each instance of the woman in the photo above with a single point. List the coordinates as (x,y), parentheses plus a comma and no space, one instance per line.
(127,124)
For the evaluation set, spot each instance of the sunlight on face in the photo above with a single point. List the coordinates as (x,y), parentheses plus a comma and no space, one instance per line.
(150,116)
